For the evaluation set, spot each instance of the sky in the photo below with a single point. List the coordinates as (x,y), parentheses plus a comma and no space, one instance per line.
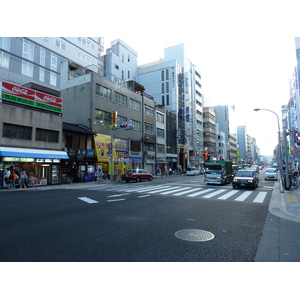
(245,50)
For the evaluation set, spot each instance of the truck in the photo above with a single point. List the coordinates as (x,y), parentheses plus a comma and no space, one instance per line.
(218,172)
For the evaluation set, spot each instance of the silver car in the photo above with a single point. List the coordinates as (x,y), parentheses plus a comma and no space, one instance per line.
(271,174)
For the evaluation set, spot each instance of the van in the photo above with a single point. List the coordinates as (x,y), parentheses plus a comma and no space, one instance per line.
(192,171)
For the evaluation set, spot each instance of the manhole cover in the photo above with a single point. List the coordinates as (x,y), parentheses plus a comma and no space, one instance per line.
(194,235)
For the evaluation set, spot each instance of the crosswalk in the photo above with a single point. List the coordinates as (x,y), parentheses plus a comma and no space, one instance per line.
(203,192)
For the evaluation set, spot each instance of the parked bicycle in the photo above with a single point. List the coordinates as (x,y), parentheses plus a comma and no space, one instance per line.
(295,182)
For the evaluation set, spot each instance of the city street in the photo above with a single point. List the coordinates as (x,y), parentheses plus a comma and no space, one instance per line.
(173,219)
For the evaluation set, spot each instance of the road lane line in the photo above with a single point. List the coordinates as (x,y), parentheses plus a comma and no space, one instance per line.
(201,192)
(214,193)
(115,200)
(88,200)
(143,189)
(260,197)
(243,196)
(144,196)
(111,196)
(227,195)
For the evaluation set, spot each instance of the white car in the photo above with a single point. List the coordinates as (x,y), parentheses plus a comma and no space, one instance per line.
(271,174)
(192,171)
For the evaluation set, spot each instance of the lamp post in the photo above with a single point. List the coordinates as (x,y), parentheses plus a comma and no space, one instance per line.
(287,183)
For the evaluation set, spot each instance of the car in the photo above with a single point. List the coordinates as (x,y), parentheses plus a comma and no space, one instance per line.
(255,168)
(271,174)
(192,171)
(245,179)
(136,175)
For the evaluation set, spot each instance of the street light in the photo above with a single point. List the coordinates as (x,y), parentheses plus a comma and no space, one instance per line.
(287,183)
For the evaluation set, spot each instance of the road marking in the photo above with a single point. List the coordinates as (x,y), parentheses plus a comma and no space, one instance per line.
(143,189)
(243,196)
(214,193)
(199,193)
(117,195)
(186,192)
(161,190)
(227,195)
(88,200)
(260,197)
(174,190)
(144,196)
(115,200)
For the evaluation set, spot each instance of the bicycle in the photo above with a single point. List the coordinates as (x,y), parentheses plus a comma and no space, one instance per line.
(295,182)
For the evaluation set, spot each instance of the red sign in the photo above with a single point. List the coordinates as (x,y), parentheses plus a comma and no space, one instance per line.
(48,99)
(15,90)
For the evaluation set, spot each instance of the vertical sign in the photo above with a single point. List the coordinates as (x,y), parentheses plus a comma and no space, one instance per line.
(114,116)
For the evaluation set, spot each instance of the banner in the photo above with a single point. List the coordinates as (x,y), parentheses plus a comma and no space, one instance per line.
(25,96)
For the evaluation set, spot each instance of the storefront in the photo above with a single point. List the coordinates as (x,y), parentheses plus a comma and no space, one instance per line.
(42,166)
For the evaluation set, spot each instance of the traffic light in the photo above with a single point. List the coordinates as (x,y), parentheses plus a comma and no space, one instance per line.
(127,125)
(298,139)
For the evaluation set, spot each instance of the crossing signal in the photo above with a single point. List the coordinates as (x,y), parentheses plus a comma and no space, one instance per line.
(298,139)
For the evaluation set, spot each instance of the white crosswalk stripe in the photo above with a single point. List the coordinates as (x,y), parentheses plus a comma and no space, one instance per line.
(188,191)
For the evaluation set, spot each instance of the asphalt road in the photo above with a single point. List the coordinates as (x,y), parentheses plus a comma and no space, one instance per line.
(133,222)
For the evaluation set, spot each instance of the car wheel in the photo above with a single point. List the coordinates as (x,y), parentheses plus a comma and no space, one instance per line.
(233,186)
(126,181)
(150,178)
(138,179)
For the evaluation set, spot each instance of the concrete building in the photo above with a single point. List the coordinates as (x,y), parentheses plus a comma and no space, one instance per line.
(175,83)
(225,117)
(209,121)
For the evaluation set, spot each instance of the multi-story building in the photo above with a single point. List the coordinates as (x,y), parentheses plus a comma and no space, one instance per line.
(209,122)
(225,117)
(175,83)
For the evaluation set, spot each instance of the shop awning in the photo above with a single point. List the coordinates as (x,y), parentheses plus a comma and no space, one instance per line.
(33,153)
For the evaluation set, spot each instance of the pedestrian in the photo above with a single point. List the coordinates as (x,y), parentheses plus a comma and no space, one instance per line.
(23,177)
(7,178)
(99,176)
(170,172)
(13,178)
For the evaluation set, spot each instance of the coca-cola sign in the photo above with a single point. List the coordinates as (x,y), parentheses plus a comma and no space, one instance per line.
(25,96)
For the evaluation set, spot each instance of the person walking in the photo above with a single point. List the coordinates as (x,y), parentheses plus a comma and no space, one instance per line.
(23,177)
(7,178)
(170,172)
(14,179)
(99,176)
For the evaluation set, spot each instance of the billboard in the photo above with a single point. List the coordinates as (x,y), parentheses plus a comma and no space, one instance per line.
(22,95)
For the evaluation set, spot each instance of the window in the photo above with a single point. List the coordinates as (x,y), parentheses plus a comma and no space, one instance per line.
(121,99)
(103,91)
(103,116)
(45,135)
(135,146)
(28,50)
(163,100)
(27,68)
(167,87)
(60,45)
(149,147)
(149,128)
(160,118)
(121,144)
(43,57)
(84,58)
(16,131)
(122,57)
(5,43)
(136,126)
(42,74)
(86,42)
(116,67)
(53,62)
(160,133)
(136,105)
(168,102)
(160,148)
(167,74)
(162,87)
(162,75)
(53,78)
(121,120)
(128,57)
(128,74)
(4,60)
(149,110)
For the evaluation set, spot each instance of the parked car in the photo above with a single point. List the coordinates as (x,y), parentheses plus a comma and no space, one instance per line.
(271,174)
(136,175)
(245,178)
(192,171)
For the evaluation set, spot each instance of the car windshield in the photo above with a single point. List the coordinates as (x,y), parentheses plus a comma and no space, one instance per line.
(244,174)
(271,170)
(208,171)
(132,171)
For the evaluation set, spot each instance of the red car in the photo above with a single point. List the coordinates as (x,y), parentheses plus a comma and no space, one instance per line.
(136,175)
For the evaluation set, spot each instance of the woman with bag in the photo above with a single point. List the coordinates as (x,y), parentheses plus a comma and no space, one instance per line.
(23,177)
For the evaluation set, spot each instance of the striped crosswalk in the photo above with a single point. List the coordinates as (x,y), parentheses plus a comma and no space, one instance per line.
(203,192)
